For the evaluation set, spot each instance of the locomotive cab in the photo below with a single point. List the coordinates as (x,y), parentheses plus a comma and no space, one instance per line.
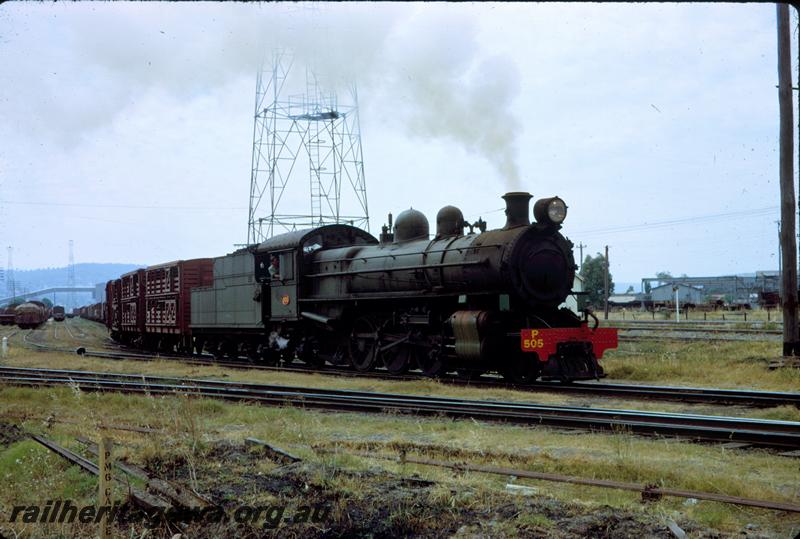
(282,283)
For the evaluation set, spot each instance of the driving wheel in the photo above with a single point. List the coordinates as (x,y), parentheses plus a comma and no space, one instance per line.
(363,344)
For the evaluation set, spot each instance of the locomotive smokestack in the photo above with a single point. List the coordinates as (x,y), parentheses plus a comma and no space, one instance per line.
(517,209)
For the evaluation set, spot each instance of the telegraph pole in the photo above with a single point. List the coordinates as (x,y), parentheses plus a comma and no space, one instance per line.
(605,286)
(11,286)
(580,248)
(780,254)
(788,205)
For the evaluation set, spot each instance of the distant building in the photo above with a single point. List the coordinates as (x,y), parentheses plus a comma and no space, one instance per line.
(686,294)
(737,289)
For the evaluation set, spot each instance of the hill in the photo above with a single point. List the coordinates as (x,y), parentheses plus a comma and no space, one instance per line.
(88,274)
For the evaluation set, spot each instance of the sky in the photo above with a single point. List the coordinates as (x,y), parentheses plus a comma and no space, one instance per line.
(128,127)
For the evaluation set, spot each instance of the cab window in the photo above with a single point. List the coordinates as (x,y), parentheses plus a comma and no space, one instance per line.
(286,261)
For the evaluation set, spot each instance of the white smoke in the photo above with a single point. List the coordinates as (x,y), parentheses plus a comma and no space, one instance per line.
(425,58)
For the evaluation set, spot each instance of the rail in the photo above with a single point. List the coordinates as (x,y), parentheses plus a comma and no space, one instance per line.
(756,432)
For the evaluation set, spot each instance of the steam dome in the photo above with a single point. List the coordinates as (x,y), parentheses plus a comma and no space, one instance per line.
(449,222)
(411,225)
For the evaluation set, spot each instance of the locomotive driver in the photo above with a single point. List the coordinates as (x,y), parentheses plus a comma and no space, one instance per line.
(274,268)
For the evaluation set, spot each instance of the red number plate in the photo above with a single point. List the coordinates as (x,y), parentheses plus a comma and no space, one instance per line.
(532,340)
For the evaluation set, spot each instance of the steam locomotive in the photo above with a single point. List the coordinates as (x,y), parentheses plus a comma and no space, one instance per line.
(465,301)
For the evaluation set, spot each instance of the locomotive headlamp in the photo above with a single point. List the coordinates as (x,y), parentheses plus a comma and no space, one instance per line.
(551,210)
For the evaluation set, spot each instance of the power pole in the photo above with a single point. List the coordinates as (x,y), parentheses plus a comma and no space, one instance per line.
(605,286)
(71,276)
(780,255)
(786,166)
(11,286)
(580,247)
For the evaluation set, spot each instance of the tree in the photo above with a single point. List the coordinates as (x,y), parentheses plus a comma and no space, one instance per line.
(47,302)
(647,287)
(664,275)
(593,274)
(629,290)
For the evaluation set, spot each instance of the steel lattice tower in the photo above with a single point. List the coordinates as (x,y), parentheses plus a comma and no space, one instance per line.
(306,145)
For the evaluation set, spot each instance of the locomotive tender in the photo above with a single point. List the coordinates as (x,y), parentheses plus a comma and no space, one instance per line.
(469,302)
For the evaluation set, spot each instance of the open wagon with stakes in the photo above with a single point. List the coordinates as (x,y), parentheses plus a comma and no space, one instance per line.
(468,301)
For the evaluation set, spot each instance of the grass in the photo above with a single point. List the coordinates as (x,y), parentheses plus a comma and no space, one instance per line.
(739,364)
(192,425)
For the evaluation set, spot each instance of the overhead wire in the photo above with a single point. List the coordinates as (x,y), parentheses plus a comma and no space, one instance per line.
(122,206)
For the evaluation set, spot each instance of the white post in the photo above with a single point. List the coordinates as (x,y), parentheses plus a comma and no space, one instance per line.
(677,306)
(4,347)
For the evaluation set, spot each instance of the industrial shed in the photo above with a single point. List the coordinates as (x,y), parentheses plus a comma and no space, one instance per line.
(686,294)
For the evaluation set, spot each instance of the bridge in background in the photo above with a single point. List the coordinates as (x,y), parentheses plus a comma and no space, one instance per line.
(49,291)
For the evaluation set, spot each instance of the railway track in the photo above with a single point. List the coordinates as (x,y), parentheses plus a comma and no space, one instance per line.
(733,324)
(693,395)
(759,433)
(701,329)
(80,337)
(684,337)
(664,393)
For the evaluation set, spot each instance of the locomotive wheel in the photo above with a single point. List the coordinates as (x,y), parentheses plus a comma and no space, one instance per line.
(268,355)
(232,350)
(308,352)
(253,353)
(363,344)
(398,359)
(523,369)
(431,364)
(470,374)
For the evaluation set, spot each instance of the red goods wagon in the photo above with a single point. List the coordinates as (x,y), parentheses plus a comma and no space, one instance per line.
(114,308)
(131,300)
(168,296)
(7,316)
(31,314)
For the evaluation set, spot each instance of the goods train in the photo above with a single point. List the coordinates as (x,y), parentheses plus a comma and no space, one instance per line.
(465,301)
(58,313)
